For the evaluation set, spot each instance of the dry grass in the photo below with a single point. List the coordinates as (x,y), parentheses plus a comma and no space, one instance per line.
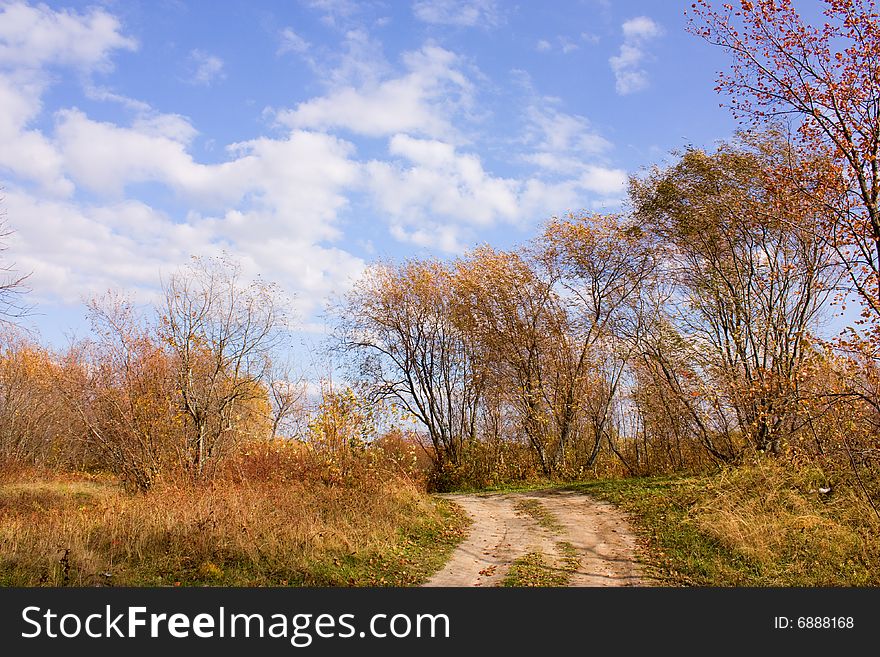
(59,531)
(777,518)
(761,524)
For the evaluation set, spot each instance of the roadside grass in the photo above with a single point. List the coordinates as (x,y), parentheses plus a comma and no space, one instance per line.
(762,524)
(83,531)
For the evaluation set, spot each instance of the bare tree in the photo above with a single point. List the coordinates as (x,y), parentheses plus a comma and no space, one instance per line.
(602,264)
(287,399)
(222,332)
(12,284)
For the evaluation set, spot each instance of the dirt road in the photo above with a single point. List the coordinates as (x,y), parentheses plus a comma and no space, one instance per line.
(583,541)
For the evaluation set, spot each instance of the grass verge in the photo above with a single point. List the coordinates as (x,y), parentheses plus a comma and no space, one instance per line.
(757,525)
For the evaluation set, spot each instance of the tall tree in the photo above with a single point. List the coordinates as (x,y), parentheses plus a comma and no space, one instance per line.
(602,263)
(750,277)
(508,308)
(399,325)
(222,332)
(825,78)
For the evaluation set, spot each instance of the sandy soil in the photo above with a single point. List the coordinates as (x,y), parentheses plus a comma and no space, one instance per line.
(501,533)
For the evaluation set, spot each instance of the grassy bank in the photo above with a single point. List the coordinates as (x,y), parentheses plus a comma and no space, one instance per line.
(756,525)
(77,530)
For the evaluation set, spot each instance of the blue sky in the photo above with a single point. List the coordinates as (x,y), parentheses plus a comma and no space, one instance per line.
(310,137)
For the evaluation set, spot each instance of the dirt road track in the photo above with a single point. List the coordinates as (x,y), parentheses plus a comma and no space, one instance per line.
(502,532)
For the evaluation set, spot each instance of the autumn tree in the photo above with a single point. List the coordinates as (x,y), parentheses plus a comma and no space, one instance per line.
(36,423)
(287,394)
(825,79)
(602,264)
(399,329)
(750,278)
(124,388)
(222,332)
(507,306)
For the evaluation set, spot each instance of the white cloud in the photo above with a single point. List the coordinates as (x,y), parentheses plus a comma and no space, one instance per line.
(463,13)
(292,42)
(566,45)
(357,61)
(281,197)
(279,203)
(334,10)
(433,180)
(75,251)
(629,74)
(206,68)
(79,232)
(602,180)
(175,127)
(421,101)
(104,95)
(27,153)
(436,196)
(641,27)
(552,131)
(32,37)
(104,157)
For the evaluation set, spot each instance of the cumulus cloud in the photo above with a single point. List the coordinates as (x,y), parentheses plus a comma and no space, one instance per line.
(430,179)
(291,189)
(431,189)
(24,152)
(80,232)
(277,203)
(32,37)
(463,13)
(629,74)
(420,101)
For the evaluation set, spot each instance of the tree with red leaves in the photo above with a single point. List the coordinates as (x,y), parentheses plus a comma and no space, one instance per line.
(824,80)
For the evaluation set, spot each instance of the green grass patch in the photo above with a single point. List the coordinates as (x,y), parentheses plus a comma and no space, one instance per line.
(571,560)
(419,551)
(532,570)
(533,508)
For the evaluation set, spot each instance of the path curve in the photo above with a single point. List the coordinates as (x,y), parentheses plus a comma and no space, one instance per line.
(502,530)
